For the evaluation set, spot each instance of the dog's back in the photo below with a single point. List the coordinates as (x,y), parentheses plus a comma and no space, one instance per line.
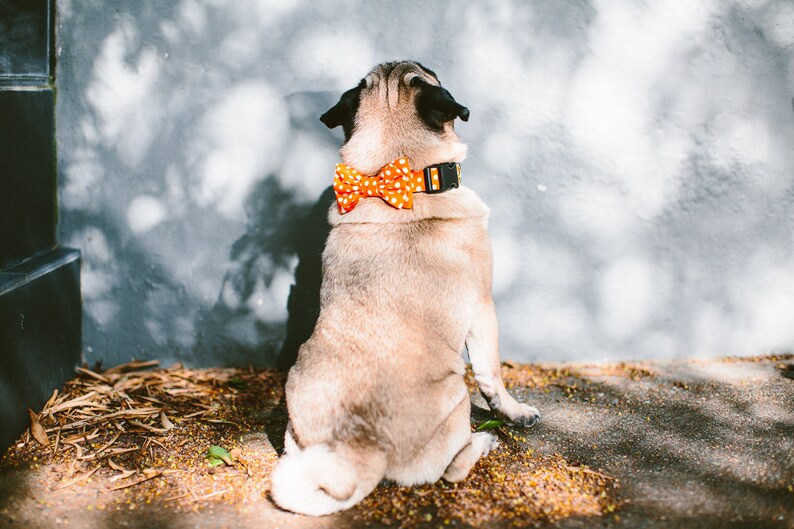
(377,391)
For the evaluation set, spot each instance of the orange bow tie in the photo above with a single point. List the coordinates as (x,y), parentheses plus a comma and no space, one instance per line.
(395,184)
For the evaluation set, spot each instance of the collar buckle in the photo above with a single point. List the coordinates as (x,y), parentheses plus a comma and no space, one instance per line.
(441,177)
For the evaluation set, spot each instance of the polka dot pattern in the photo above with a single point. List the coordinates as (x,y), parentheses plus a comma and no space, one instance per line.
(395,184)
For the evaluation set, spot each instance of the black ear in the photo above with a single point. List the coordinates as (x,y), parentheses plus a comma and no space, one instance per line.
(344,112)
(436,106)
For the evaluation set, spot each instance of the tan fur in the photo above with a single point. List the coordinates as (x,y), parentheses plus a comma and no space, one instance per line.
(379,385)
(387,126)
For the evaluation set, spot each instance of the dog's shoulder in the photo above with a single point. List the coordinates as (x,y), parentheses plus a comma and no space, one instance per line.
(456,204)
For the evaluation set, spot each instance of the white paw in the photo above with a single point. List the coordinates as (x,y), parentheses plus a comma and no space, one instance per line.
(526,417)
(485,442)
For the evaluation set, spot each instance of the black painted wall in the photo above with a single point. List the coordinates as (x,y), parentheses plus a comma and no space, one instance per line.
(40,338)
(40,303)
(27,165)
(25,41)
(28,212)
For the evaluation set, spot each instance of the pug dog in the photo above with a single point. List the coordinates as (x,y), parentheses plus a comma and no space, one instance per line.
(378,389)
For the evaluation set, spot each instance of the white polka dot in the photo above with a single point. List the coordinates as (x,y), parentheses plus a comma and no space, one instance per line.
(388,173)
(405,170)
(393,200)
(397,185)
(355,188)
(402,160)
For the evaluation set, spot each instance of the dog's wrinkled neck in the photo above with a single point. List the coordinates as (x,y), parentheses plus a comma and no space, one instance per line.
(371,147)
(456,204)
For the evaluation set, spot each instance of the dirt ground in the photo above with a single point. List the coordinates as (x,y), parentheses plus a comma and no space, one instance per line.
(640,445)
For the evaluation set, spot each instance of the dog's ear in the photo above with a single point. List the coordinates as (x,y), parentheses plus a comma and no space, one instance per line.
(344,112)
(436,106)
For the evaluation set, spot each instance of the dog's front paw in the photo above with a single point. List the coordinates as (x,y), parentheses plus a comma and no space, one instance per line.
(526,417)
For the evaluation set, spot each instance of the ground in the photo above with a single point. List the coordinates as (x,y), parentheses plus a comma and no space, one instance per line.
(665,444)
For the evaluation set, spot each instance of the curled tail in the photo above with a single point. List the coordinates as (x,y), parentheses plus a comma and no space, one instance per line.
(324,479)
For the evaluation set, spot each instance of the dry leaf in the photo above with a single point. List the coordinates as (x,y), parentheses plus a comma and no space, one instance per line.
(51,401)
(147,427)
(78,450)
(57,442)
(73,403)
(78,479)
(91,374)
(146,477)
(210,495)
(115,466)
(80,437)
(167,424)
(37,430)
(131,366)
(124,475)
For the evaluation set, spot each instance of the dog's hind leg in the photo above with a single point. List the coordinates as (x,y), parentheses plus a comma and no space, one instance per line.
(323,479)
(483,345)
(290,445)
(481,443)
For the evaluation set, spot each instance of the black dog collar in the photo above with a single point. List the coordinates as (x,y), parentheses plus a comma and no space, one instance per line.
(441,177)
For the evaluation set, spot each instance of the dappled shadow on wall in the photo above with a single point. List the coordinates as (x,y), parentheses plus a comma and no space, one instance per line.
(171,148)
(650,218)
(282,235)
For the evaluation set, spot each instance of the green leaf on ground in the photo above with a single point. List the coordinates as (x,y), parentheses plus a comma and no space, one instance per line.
(217,455)
(490,424)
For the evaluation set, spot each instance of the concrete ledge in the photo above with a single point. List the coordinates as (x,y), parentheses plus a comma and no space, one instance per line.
(40,334)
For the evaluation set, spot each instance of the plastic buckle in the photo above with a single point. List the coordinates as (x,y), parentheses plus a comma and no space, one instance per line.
(448,177)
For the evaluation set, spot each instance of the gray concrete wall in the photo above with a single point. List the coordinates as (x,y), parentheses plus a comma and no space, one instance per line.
(638,158)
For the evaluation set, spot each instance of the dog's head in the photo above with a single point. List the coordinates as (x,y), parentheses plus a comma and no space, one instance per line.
(398,109)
